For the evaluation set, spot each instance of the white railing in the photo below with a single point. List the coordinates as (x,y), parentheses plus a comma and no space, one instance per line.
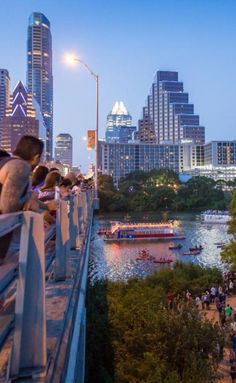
(28,356)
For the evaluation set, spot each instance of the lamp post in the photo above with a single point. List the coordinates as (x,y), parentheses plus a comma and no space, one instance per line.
(71,59)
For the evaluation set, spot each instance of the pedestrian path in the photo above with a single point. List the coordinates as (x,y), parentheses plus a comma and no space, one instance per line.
(224,366)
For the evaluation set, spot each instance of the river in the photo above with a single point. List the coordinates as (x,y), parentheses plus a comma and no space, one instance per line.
(117,261)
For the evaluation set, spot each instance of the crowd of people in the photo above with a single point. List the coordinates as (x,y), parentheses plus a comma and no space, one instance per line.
(216,297)
(25,184)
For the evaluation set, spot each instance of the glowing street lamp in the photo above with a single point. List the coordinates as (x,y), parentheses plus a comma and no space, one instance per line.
(71,60)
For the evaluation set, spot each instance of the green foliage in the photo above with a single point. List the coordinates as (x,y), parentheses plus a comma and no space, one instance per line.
(160,189)
(146,340)
(229,253)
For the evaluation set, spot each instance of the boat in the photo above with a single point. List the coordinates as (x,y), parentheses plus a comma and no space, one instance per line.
(144,255)
(163,260)
(220,243)
(222,246)
(193,252)
(121,231)
(215,216)
(175,247)
(198,248)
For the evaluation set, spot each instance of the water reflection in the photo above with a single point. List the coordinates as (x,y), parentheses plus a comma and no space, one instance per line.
(118,260)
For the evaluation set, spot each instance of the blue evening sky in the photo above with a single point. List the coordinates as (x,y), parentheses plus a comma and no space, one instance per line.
(125,42)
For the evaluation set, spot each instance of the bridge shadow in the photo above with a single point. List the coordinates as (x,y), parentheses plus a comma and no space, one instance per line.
(99,350)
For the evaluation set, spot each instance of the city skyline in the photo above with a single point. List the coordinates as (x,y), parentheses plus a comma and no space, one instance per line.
(127,58)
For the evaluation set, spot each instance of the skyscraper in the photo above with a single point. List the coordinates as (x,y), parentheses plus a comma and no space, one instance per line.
(4,92)
(169,113)
(145,131)
(20,118)
(39,70)
(63,149)
(119,124)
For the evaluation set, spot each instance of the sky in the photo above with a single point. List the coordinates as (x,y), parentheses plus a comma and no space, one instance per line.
(125,43)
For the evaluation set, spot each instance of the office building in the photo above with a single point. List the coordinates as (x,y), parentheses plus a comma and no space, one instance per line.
(119,124)
(219,162)
(168,112)
(20,118)
(39,71)
(63,149)
(4,92)
(119,160)
(220,153)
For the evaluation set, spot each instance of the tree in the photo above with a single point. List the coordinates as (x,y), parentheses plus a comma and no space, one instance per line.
(229,253)
(134,336)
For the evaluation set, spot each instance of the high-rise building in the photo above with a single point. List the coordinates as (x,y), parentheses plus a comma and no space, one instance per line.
(145,131)
(168,112)
(20,118)
(4,92)
(119,124)
(220,153)
(39,70)
(119,160)
(63,149)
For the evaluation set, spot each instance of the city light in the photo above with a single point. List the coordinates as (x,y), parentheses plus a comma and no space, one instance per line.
(70,59)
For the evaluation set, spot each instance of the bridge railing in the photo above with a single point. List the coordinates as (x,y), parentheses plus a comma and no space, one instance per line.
(28,356)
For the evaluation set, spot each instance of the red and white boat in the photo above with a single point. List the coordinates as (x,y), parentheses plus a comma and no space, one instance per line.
(121,231)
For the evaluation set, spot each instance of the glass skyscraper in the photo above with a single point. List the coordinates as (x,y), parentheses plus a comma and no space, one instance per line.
(4,92)
(119,124)
(39,71)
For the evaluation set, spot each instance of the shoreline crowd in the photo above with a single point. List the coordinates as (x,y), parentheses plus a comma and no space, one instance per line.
(215,298)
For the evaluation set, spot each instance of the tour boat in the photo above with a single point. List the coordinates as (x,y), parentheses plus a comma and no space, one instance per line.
(121,231)
(215,216)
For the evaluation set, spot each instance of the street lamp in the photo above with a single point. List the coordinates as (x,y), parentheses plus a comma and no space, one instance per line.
(70,60)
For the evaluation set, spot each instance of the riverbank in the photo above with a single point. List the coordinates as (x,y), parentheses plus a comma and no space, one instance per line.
(147,330)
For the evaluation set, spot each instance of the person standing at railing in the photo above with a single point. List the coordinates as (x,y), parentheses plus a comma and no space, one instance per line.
(15,185)
(47,194)
(38,178)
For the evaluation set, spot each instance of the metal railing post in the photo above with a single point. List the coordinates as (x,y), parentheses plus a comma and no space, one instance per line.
(85,207)
(62,241)
(28,354)
(80,214)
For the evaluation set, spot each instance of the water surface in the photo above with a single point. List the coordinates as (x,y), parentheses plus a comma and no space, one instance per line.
(117,260)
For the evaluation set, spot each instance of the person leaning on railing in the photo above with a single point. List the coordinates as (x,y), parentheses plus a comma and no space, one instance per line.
(15,185)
